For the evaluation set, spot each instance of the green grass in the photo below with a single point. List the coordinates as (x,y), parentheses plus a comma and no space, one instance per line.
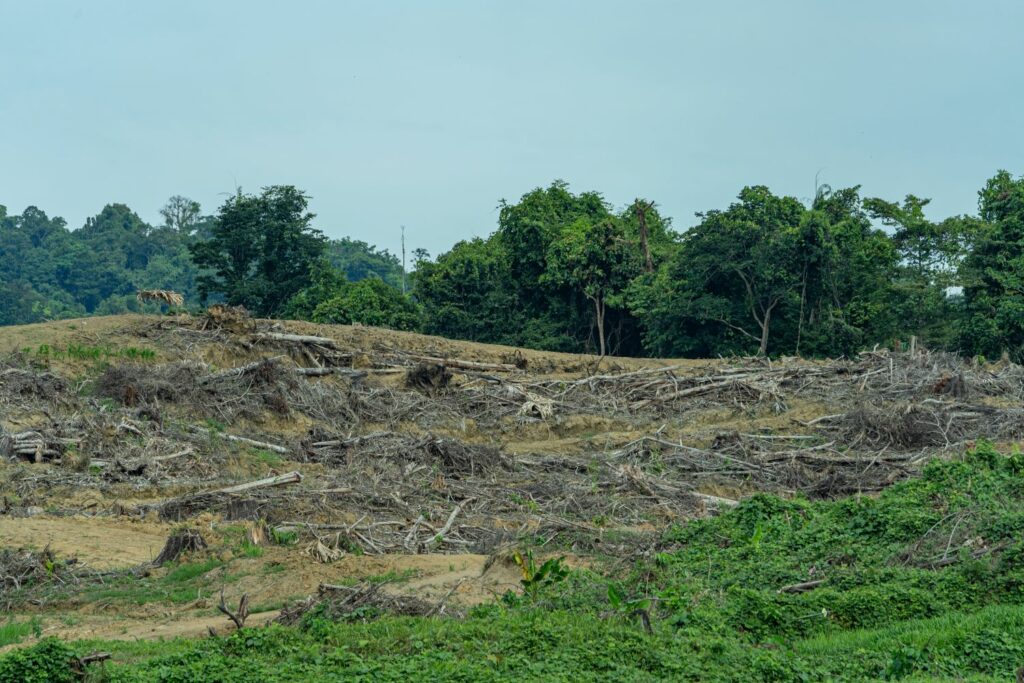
(182,584)
(92,353)
(15,631)
(924,582)
(191,570)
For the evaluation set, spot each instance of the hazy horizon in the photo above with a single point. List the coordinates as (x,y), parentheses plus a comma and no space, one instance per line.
(425,116)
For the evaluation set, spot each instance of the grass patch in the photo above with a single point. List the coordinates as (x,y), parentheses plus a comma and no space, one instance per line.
(14,632)
(190,570)
(83,352)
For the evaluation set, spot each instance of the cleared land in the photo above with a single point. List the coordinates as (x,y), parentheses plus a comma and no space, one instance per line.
(353,473)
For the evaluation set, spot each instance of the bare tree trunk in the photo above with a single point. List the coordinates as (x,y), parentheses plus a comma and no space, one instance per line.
(641,210)
(599,314)
(764,332)
(803,298)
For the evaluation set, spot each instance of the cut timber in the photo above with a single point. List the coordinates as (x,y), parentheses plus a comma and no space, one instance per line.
(439,537)
(258,444)
(280,480)
(298,339)
(715,500)
(467,364)
(348,372)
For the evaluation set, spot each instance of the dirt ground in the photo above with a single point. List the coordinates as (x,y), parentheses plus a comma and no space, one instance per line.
(423,464)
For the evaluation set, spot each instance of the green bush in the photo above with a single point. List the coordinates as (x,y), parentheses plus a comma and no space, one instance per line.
(369,302)
(48,661)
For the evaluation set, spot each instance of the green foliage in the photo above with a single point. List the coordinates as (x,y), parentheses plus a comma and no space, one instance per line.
(599,261)
(14,631)
(261,250)
(538,577)
(49,661)
(550,277)
(368,302)
(360,261)
(768,275)
(284,537)
(93,353)
(994,272)
(466,293)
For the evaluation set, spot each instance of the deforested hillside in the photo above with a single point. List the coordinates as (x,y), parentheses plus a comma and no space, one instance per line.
(350,493)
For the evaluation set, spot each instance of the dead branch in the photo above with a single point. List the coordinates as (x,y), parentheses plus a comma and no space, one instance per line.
(238,616)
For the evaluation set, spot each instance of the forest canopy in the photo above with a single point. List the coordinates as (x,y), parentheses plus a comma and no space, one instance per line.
(767,274)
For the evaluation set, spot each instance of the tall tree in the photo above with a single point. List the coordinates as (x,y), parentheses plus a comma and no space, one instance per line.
(261,251)
(750,249)
(994,272)
(598,260)
(929,258)
(181,214)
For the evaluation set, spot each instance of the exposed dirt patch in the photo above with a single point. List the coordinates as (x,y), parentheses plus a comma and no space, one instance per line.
(96,542)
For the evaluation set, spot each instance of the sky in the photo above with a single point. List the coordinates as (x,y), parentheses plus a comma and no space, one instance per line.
(426,114)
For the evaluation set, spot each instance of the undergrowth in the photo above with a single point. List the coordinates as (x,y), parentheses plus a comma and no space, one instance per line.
(924,581)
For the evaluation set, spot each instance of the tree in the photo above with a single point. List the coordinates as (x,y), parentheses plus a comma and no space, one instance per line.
(181,214)
(359,260)
(369,302)
(929,256)
(745,261)
(466,293)
(640,209)
(261,250)
(597,259)
(993,274)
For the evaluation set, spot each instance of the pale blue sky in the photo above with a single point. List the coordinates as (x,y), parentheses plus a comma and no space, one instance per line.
(427,113)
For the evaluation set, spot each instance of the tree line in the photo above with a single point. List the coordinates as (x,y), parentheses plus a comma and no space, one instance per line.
(567,271)
(48,271)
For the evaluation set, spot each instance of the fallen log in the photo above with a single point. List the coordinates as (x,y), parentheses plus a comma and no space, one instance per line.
(439,537)
(258,444)
(348,372)
(683,393)
(715,500)
(466,364)
(802,587)
(280,480)
(326,342)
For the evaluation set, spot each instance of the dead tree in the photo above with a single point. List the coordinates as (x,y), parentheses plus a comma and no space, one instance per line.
(641,208)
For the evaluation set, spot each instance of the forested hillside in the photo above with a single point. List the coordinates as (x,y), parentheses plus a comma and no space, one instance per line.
(768,274)
(48,271)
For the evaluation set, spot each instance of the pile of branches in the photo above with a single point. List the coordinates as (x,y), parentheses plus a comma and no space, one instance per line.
(246,391)
(20,383)
(22,569)
(784,464)
(360,603)
(408,453)
(932,423)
